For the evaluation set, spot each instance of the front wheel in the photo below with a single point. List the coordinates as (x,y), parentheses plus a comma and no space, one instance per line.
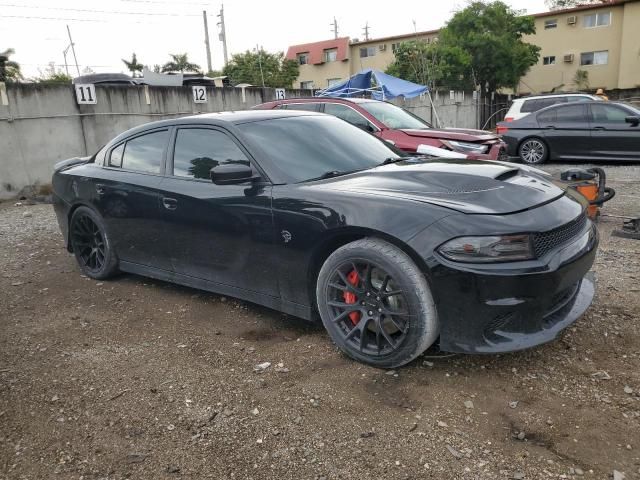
(376,304)
(533,151)
(91,245)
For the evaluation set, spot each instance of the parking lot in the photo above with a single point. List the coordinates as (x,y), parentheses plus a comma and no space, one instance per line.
(135,378)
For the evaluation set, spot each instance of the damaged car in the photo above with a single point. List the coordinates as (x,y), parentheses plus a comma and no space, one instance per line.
(305,214)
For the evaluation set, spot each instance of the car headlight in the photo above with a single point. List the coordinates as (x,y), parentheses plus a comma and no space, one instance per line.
(503,248)
(468,147)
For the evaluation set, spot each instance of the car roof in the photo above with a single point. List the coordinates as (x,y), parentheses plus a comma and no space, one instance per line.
(551,95)
(220,118)
(324,100)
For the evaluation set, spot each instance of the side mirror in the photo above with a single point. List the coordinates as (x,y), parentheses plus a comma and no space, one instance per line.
(231,173)
(633,120)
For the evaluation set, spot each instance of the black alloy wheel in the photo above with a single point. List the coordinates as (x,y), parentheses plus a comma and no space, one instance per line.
(376,304)
(369,309)
(91,245)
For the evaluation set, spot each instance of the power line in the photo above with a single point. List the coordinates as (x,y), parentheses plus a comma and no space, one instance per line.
(168,3)
(100,11)
(64,19)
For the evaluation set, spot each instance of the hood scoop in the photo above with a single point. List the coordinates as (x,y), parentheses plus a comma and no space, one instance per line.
(507,174)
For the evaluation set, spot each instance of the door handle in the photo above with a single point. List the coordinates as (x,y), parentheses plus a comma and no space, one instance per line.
(169,203)
(598,128)
(100,189)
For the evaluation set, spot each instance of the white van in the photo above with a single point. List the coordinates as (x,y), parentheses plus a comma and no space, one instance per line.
(521,107)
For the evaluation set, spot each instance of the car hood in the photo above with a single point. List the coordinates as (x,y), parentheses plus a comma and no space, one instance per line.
(460,134)
(480,187)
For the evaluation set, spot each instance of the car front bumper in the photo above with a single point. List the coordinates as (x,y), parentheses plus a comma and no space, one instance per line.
(496,309)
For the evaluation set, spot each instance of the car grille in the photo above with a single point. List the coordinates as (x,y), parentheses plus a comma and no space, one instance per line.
(547,241)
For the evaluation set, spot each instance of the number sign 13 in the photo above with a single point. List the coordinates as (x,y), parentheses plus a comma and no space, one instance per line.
(86,94)
(199,94)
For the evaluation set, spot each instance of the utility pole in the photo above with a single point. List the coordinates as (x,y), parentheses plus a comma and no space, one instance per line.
(366,31)
(335,27)
(260,63)
(223,34)
(66,64)
(206,39)
(73,50)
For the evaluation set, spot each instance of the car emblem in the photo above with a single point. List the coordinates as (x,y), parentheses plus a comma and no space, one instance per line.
(286,235)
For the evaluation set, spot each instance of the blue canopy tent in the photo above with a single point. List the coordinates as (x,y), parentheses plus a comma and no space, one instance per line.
(386,87)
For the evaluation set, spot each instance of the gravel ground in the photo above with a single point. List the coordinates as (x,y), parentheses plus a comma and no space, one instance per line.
(134,378)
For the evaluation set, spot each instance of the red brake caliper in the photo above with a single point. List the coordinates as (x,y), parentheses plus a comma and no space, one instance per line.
(350,297)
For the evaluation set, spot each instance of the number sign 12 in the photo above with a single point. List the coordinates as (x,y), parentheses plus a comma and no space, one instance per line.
(86,94)
(199,94)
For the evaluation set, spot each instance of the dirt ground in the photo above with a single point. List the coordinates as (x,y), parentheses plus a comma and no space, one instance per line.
(134,378)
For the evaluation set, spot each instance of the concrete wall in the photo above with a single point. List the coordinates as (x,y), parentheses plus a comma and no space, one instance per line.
(43,124)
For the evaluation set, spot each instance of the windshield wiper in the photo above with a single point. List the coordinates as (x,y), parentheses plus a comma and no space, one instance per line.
(389,160)
(329,174)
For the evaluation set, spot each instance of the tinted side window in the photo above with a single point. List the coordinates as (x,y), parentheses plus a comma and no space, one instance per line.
(198,150)
(144,153)
(572,113)
(608,114)
(115,160)
(311,107)
(347,114)
(546,118)
(529,106)
(578,99)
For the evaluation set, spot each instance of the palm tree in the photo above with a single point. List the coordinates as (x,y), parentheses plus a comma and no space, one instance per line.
(180,63)
(132,65)
(9,70)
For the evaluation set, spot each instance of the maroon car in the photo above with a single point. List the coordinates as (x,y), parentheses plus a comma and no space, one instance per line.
(402,128)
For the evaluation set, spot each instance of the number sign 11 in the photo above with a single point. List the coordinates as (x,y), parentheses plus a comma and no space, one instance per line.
(199,94)
(86,94)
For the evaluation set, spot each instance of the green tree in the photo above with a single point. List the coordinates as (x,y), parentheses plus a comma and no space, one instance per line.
(252,67)
(56,78)
(180,63)
(480,46)
(432,64)
(581,79)
(9,69)
(133,65)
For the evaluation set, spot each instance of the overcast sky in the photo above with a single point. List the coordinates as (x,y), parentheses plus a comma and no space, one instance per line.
(105,31)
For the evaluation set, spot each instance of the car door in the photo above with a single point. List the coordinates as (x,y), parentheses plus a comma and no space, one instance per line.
(126,193)
(219,233)
(566,130)
(612,137)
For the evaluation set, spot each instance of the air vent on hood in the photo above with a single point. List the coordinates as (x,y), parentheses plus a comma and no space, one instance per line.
(506,175)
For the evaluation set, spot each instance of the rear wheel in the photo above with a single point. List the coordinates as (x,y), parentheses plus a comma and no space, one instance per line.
(91,245)
(533,151)
(376,304)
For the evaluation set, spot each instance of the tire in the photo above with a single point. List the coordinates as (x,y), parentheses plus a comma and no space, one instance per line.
(91,244)
(533,151)
(360,306)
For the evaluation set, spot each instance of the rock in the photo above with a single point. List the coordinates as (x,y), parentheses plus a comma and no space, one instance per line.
(628,389)
(413,427)
(521,436)
(261,367)
(171,426)
(517,476)
(54,398)
(297,420)
(601,375)
(468,404)
(428,363)
(442,424)
(173,469)
(367,434)
(27,214)
(618,475)
(255,411)
(390,372)
(579,471)
(513,404)
(454,452)
(136,457)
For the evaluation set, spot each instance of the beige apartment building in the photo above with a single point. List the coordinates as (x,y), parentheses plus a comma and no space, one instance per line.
(602,39)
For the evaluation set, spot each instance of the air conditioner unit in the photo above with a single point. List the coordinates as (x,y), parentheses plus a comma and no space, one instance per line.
(382,47)
(568,58)
(572,20)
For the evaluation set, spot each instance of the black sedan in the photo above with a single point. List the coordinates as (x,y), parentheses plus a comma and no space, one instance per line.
(594,131)
(309,215)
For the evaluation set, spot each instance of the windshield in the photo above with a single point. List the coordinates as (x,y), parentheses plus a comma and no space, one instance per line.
(298,149)
(394,117)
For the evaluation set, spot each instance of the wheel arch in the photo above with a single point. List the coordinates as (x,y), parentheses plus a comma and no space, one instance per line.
(339,238)
(70,213)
